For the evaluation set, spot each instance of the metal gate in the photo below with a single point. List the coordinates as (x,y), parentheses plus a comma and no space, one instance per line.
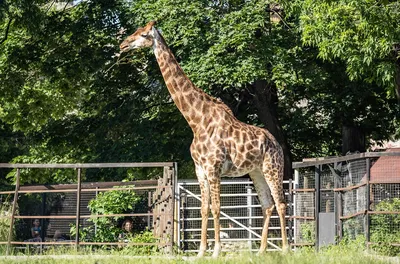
(241,217)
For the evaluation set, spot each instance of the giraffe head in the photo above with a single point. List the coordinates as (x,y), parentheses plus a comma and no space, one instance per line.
(142,38)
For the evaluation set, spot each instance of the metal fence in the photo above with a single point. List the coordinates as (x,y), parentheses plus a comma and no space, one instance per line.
(241,217)
(350,196)
(329,198)
(60,206)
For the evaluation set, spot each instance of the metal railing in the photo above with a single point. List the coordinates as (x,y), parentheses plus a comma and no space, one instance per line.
(160,186)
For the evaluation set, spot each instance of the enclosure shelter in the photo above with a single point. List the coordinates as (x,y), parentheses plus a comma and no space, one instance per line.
(350,196)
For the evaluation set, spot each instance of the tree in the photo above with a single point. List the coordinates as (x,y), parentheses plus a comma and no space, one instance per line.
(363,34)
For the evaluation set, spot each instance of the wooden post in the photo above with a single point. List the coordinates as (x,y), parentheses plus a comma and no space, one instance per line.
(14,206)
(78,208)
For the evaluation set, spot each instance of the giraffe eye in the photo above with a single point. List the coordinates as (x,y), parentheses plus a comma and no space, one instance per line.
(143,35)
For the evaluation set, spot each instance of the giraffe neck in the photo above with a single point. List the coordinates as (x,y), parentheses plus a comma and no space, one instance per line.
(187,97)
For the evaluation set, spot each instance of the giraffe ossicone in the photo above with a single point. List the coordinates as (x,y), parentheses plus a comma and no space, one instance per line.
(222,145)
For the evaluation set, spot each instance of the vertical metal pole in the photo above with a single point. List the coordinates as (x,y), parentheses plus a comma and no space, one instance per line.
(250,214)
(78,208)
(367,218)
(95,223)
(172,204)
(317,203)
(290,200)
(184,222)
(14,206)
(296,186)
(178,234)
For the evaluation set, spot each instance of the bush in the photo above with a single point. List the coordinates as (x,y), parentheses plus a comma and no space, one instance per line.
(143,237)
(307,232)
(385,228)
(111,202)
(5,222)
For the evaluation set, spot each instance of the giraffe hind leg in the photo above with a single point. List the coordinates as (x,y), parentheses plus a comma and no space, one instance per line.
(273,173)
(267,205)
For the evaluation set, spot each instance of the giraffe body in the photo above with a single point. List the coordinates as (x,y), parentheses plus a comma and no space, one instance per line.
(222,145)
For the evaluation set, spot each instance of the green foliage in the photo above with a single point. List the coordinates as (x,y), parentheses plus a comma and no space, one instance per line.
(64,100)
(142,237)
(385,228)
(110,202)
(5,221)
(307,232)
(364,34)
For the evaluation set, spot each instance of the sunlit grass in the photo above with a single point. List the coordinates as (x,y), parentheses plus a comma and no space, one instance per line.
(332,255)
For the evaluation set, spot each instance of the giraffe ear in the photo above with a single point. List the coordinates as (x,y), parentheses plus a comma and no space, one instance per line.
(150,25)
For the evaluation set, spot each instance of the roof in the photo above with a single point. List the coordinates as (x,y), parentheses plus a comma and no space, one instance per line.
(386,169)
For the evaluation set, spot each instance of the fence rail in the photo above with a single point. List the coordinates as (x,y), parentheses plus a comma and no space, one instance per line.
(163,226)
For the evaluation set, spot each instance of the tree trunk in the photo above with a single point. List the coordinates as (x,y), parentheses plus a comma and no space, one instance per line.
(266,101)
(353,139)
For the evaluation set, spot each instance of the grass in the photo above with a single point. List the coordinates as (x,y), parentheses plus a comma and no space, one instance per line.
(332,255)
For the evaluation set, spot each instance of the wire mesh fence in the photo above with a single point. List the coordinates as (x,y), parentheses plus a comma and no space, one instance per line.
(359,194)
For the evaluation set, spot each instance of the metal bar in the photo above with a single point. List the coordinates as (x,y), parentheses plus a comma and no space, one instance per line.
(296,165)
(368,204)
(236,229)
(237,239)
(14,206)
(303,217)
(86,190)
(250,214)
(172,204)
(304,190)
(349,188)
(318,170)
(78,209)
(336,200)
(291,211)
(228,207)
(80,217)
(295,186)
(88,165)
(89,185)
(236,218)
(353,215)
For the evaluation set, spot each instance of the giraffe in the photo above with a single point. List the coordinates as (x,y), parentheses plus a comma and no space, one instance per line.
(222,145)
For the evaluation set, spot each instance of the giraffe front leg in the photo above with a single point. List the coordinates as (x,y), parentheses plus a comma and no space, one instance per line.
(205,208)
(215,186)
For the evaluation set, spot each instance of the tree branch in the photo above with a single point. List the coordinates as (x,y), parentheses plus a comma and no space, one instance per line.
(7,30)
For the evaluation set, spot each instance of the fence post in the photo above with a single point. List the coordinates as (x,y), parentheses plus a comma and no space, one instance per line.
(78,208)
(318,169)
(295,186)
(250,214)
(367,218)
(291,212)
(14,206)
